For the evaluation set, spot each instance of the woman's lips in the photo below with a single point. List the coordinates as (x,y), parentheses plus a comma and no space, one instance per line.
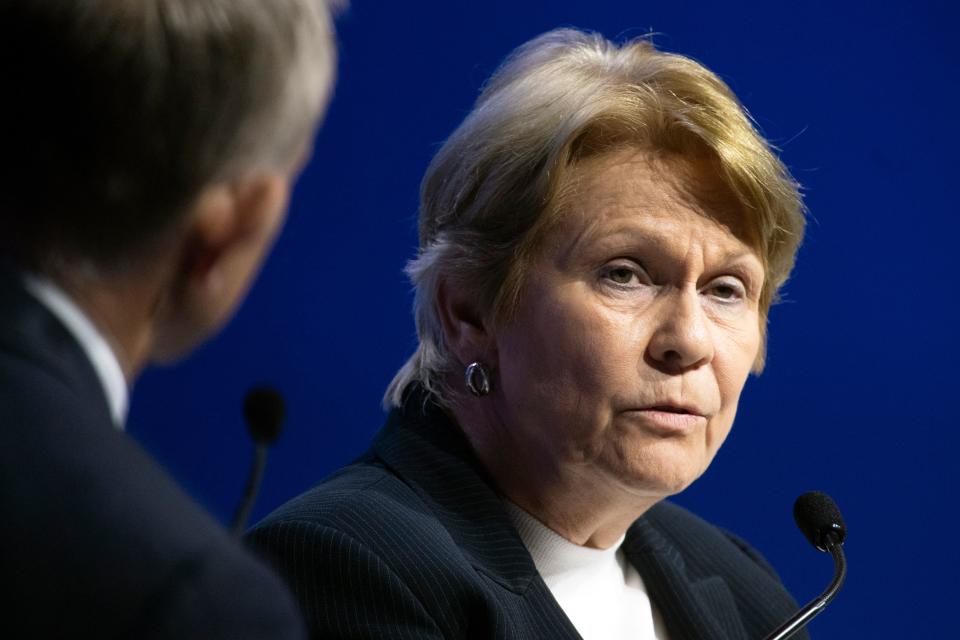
(668,420)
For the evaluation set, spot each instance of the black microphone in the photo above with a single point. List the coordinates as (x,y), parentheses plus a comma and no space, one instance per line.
(264,410)
(819,519)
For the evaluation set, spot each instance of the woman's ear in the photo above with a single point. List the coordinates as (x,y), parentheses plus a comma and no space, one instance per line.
(465,329)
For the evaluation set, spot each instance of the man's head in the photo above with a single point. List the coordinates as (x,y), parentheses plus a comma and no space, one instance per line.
(141,133)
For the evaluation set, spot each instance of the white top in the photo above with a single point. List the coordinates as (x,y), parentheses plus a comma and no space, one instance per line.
(98,351)
(602,594)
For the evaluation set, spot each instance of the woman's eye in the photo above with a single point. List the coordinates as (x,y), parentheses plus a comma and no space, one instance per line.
(622,275)
(727,291)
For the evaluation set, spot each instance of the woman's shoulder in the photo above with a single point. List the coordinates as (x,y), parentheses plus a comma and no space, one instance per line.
(364,547)
(697,537)
(364,504)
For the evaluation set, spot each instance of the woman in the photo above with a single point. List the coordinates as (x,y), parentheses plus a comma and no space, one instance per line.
(600,243)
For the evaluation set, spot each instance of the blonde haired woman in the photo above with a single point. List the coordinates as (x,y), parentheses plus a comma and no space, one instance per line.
(600,243)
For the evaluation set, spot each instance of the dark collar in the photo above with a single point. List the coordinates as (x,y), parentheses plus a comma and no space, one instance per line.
(424,447)
(30,332)
(702,607)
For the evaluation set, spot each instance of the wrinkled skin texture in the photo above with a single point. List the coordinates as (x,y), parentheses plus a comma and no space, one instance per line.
(618,378)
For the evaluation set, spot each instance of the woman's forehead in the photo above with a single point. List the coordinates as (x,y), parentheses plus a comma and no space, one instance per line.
(636,186)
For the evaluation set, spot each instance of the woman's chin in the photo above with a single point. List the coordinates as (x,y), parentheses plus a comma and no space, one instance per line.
(660,471)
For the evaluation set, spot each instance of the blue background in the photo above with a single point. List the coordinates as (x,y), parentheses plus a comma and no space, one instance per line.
(858,398)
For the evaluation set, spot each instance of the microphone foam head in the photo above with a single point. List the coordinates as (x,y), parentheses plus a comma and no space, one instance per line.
(264,410)
(817,517)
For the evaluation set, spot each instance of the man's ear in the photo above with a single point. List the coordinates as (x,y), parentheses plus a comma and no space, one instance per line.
(466,330)
(226,235)
(233,222)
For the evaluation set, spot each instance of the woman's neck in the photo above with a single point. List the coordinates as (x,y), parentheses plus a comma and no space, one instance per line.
(567,498)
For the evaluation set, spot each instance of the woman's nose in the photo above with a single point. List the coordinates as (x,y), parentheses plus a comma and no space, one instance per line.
(681,337)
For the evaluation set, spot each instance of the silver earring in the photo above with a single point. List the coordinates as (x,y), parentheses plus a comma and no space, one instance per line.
(478,379)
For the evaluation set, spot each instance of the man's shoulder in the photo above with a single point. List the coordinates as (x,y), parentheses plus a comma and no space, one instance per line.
(100,539)
(44,372)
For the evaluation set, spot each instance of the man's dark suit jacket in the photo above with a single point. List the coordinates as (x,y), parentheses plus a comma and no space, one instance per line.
(96,541)
(412,541)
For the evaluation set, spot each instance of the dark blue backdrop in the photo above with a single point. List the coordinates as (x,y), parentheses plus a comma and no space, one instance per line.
(859,394)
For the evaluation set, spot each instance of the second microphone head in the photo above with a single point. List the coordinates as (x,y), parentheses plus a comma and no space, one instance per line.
(264,411)
(818,516)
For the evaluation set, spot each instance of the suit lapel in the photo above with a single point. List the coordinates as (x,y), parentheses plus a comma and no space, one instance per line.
(692,609)
(426,449)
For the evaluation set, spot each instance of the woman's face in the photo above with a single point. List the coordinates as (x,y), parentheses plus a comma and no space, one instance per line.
(637,327)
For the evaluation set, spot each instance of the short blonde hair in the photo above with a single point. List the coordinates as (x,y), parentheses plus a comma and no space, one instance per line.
(497,183)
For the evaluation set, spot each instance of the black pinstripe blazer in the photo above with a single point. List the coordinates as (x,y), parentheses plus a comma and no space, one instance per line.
(412,541)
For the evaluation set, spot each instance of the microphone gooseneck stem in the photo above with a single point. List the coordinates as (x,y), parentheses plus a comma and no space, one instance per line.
(250,491)
(817,605)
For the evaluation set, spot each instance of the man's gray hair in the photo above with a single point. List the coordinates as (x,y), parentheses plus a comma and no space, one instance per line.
(117,113)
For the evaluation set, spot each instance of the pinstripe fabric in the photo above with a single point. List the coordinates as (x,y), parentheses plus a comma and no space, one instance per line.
(411,541)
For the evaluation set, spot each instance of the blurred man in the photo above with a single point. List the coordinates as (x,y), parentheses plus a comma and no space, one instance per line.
(150,147)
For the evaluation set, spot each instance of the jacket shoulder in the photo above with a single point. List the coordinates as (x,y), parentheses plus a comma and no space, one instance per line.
(728,572)
(367,502)
(99,533)
(700,539)
(365,555)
